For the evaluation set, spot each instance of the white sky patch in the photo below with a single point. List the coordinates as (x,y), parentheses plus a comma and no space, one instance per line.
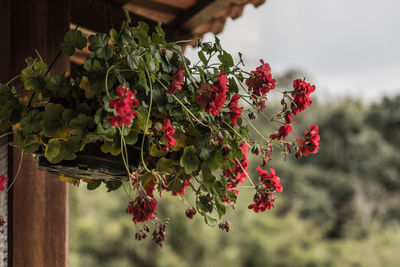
(347,47)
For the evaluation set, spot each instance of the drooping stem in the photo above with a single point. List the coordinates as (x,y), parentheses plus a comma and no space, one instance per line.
(3,135)
(106,80)
(255,129)
(247,175)
(147,119)
(18,170)
(236,132)
(13,79)
(180,102)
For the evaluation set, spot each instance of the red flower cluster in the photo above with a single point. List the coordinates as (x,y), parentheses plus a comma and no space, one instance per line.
(224,226)
(270,180)
(234,110)
(159,232)
(310,144)
(262,202)
(260,84)
(238,174)
(169,132)
(300,95)
(265,198)
(3,180)
(178,79)
(143,208)
(286,129)
(283,131)
(181,191)
(214,98)
(124,105)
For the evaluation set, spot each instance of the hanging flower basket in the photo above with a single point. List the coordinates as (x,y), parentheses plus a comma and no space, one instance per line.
(138,112)
(92,164)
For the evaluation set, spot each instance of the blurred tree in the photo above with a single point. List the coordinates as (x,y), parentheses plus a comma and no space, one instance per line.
(339,208)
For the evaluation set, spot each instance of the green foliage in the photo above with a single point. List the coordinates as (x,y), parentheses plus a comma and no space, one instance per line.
(10,108)
(73,40)
(31,122)
(99,45)
(33,75)
(189,160)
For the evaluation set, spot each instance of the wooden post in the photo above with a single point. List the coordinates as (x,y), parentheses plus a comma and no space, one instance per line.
(39,203)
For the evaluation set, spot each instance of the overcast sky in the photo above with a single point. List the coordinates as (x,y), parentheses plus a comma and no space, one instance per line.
(346,47)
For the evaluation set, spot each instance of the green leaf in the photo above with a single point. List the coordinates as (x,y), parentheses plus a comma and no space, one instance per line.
(53,150)
(33,76)
(205,153)
(189,160)
(99,45)
(133,60)
(31,122)
(226,60)
(221,209)
(231,196)
(93,184)
(166,166)
(204,204)
(56,151)
(52,123)
(56,84)
(208,178)
(131,138)
(148,179)
(73,40)
(217,44)
(202,58)
(216,160)
(210,221)
(10,108)
(81,124)
(113,185)
(155,152)
(114,36)
(108,147)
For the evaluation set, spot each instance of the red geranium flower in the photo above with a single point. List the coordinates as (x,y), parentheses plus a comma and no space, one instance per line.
(178,79)
(3,180)
(238,174)
(143,208)
(310,144)
(300,95)
(260,84)
(214,98)
(235,111)
(270,180)
(124,105)
(181,191)
(283,131)
(264,198)
(169,132)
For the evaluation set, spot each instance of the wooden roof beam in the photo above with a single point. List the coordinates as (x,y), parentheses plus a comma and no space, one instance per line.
(95,17)
(94,20)
(152,10)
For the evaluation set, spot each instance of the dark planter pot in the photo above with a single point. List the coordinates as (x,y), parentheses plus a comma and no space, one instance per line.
(92,164)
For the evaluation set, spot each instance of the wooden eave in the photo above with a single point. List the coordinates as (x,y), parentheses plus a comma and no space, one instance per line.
(181,19)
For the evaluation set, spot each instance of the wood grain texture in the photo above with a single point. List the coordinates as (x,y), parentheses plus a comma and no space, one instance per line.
(40,204)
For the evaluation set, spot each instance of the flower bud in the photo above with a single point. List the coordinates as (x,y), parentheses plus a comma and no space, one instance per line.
(252,116)
(226,149)
(224,226)
(190,212)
